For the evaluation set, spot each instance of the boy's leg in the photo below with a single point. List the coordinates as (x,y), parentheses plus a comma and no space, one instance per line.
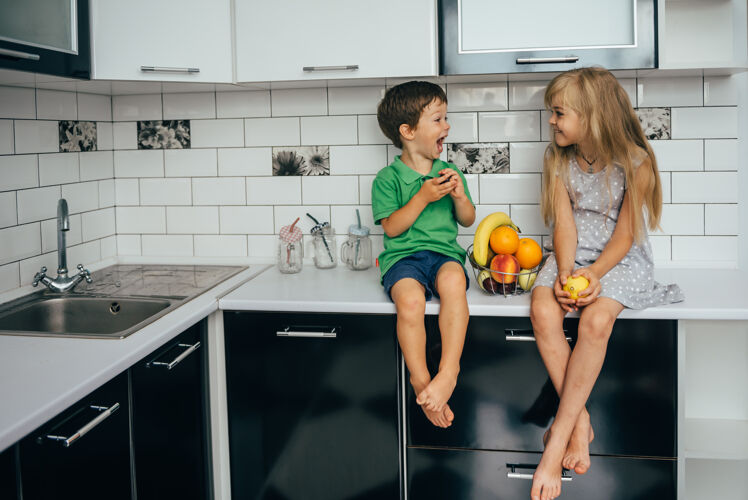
(453,320)
(585,363)
(410,301)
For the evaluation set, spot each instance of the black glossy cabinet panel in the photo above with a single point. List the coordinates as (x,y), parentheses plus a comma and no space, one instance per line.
(504,399)
(96,465)
(479,475)
(170,428)
(312,416)
(8,474)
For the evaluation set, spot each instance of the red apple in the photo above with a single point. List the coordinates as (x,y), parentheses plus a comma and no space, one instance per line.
(504,263)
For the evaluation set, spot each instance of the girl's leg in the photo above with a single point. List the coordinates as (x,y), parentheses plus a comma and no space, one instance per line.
(595,326)
(410,301)
(453,321)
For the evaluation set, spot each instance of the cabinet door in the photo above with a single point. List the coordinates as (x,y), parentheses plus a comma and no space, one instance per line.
(337,38)
(84,453)
(169,411)
(8,474)
(478,475)
(312,401)
(165,41)
(504,399)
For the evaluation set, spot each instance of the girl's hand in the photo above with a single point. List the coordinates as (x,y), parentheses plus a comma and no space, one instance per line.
(454,181)
(562,296)
(432,190)
(589,294)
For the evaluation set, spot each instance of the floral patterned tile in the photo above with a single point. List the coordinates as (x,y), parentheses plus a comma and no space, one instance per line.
(167,134)
(305,160)
(480,158)
(655,122)
(77,136)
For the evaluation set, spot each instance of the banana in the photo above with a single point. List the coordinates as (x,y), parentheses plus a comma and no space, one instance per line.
(483,234)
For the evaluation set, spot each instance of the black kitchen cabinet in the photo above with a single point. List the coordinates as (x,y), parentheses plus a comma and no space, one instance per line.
(504,399)
(478,475)
(313,406)
(170,416)
(83,453)
(8,474)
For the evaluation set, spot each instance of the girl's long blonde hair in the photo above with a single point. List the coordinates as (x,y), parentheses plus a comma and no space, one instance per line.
(609,121)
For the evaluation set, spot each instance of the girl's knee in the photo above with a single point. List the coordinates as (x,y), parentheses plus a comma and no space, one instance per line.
(596,327)
(544,312)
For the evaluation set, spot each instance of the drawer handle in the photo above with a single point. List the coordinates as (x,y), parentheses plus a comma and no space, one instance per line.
(516,335)
(347,67)
(286,332)
(190,349)
(166,69)
(546,60)
(105,413)
(513,474)
(17,54)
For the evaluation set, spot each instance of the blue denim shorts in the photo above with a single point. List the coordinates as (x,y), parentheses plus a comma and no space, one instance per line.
(421,266)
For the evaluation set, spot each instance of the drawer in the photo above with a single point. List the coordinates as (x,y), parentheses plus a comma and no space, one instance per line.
(476,475)
(504,399)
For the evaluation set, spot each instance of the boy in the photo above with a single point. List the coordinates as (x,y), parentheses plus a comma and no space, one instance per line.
(419,199)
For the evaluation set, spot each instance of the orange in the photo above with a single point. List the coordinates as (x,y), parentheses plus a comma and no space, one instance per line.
(529,254)
(504,240)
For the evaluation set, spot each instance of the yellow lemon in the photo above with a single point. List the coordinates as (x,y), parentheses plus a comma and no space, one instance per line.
(576,285)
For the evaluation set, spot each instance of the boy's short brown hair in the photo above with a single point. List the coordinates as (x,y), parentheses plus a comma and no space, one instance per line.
(404,103)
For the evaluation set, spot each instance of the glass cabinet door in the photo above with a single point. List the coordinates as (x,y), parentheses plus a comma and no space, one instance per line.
(49,24)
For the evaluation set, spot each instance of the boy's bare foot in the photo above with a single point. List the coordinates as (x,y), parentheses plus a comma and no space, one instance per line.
(577,455)
(546,481)
(437,392)
(442,418)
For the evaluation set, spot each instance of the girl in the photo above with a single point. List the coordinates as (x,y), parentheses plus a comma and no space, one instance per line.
(601,190)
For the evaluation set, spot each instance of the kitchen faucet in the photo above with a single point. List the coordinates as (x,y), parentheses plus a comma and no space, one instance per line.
(62,283)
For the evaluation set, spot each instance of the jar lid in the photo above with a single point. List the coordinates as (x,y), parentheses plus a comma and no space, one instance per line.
(321,227)
(357,230)
(290,234)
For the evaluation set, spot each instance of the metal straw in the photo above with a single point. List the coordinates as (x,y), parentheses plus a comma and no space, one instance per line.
(322,233)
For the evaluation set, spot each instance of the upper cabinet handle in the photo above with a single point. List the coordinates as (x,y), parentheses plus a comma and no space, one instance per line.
(19,55)
(166,69)
(547,60)
(349,67)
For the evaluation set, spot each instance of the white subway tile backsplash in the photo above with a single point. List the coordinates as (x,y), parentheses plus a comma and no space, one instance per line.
(192,220)
(218,191)
(262,246)
(36,136)
(85,253)
(94,107)
(525,95)
(285,215)
(246,220)
(490,96)
(108,247)
(49,233)
(509,188)
(509,126)
(346,160)
(97,224)
(629,85)
(705,123)
(712,249)
(6,137)
(37,204)
(217,133)
(58,168)
(185,106)
(473,186)
(8,212)
(19,242)
(665,182)
(299,102)
(127,192)
(242,162)
(272,132)
(141,163)
(682,219)
(174,245)
(354,100)
(328,190)
(106,193)
(720,91)
(137,220)
(482,211)
(545,128)
(274,190)
(9,277)
(128,244)
(243,104)
(56,105)
(96,165)
(190,163)
(104,136)
(679,155)
(705,187)
(721,154)
(670,91)
(344,216)
(166,191)
(721,220)
(464,127)
(369,131)
(17,102)
(329,130)
(125,135)
(82,196)
(136,107)
(364,188)
(526,157)
(529,219)
(220,246)
(18,172)
(661,248)
(29,267)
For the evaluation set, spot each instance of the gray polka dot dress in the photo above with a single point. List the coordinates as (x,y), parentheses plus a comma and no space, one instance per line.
(631,282)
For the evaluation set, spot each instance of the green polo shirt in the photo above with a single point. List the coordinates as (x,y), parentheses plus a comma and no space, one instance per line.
(435,228)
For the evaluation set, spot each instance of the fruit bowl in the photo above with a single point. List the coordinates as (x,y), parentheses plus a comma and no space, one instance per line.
(495,282)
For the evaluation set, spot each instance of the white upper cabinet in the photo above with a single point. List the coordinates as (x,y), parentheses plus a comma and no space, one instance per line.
(303,40)
(164,40)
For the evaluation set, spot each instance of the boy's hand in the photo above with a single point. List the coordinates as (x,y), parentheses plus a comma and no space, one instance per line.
(450,178)
(433,190)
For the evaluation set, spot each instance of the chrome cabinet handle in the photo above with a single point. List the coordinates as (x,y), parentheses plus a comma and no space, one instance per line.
(546,60)
(19,55)
(348,67)
(190,349)
(517,335)
(513,474)
(105,413)
(286,332)
(166,69)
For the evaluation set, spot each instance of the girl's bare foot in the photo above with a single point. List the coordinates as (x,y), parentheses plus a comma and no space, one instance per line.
(437,392)
(546,481)
(577,455)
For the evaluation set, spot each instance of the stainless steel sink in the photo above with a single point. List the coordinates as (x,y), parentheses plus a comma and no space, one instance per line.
(82,316)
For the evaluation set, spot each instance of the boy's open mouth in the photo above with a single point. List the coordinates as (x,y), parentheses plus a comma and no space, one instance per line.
(440,144)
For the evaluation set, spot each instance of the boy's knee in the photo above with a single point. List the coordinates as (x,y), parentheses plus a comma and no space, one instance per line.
(451,278)
(410,303)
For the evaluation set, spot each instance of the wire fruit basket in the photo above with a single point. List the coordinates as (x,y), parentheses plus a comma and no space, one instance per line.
(501,283)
